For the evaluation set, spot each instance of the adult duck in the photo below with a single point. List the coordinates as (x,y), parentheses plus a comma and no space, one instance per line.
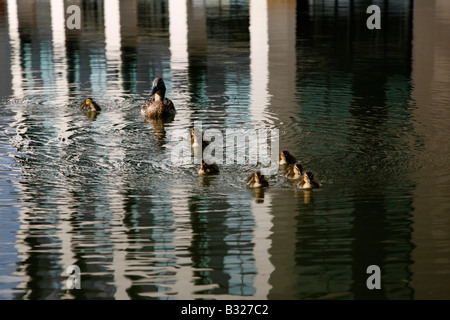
(158,106)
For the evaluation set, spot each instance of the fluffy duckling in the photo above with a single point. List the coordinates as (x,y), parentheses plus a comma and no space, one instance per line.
(257,180)
(206,168)
(294,171)
(286,158)
(90,105)
(158,106)
(195,139)
(308,181)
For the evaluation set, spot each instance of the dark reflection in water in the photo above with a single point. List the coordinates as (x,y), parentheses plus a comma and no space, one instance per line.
(100,191)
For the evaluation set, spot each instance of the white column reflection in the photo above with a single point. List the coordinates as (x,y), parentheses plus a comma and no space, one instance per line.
(178,29)
(16,69)
(61,126)
(113,40)
(259,59)
(120,243)
(184,285)
(59,51)
(259,102)
(262,211)
(113,45)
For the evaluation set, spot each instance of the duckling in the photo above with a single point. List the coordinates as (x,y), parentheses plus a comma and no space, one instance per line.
(158,106)
(257,180)
(286,158)
(195,140)
(90,105)
(294,171)
(206,168)
(308,181)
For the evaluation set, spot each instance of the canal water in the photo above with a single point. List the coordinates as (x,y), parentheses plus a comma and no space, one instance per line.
(365,110)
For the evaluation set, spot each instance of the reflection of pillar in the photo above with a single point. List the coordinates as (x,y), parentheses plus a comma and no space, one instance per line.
(262,243)
(62,96)
(259,99)
(183,287)
(282,58)
(196,33)
(431,67)
(16,69)
(178,30)
(259,59)
(273,67)
(59,51)
(129,35)
(113,45)
(120,242)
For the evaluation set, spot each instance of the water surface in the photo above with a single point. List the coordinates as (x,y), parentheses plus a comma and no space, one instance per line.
(365,110)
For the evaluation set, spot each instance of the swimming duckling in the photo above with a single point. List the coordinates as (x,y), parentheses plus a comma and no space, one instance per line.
(158,106)
(286,158)
(257,180)
(308,181)
(294,171)
(195,138)
(90,105)
(206,168)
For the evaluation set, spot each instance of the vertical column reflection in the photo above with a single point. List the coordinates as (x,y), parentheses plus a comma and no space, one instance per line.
(272,67)
(273,73)
(114,79)
(113,45)
(178,33)
(16,69)
(430,78)
(59,51)
(263,218)
(57,12)
(259,59)
(178,29)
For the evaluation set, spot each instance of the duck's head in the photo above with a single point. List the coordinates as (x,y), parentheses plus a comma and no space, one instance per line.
(91,105)
(298,168)
(258,177)
(286,157)
(309,177)
(158,87)
(203,168)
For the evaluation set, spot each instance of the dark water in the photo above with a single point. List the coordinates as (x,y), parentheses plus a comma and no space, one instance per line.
(365,110)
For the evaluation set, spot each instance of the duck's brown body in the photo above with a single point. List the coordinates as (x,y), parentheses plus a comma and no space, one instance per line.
(158,106)
(158,109)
